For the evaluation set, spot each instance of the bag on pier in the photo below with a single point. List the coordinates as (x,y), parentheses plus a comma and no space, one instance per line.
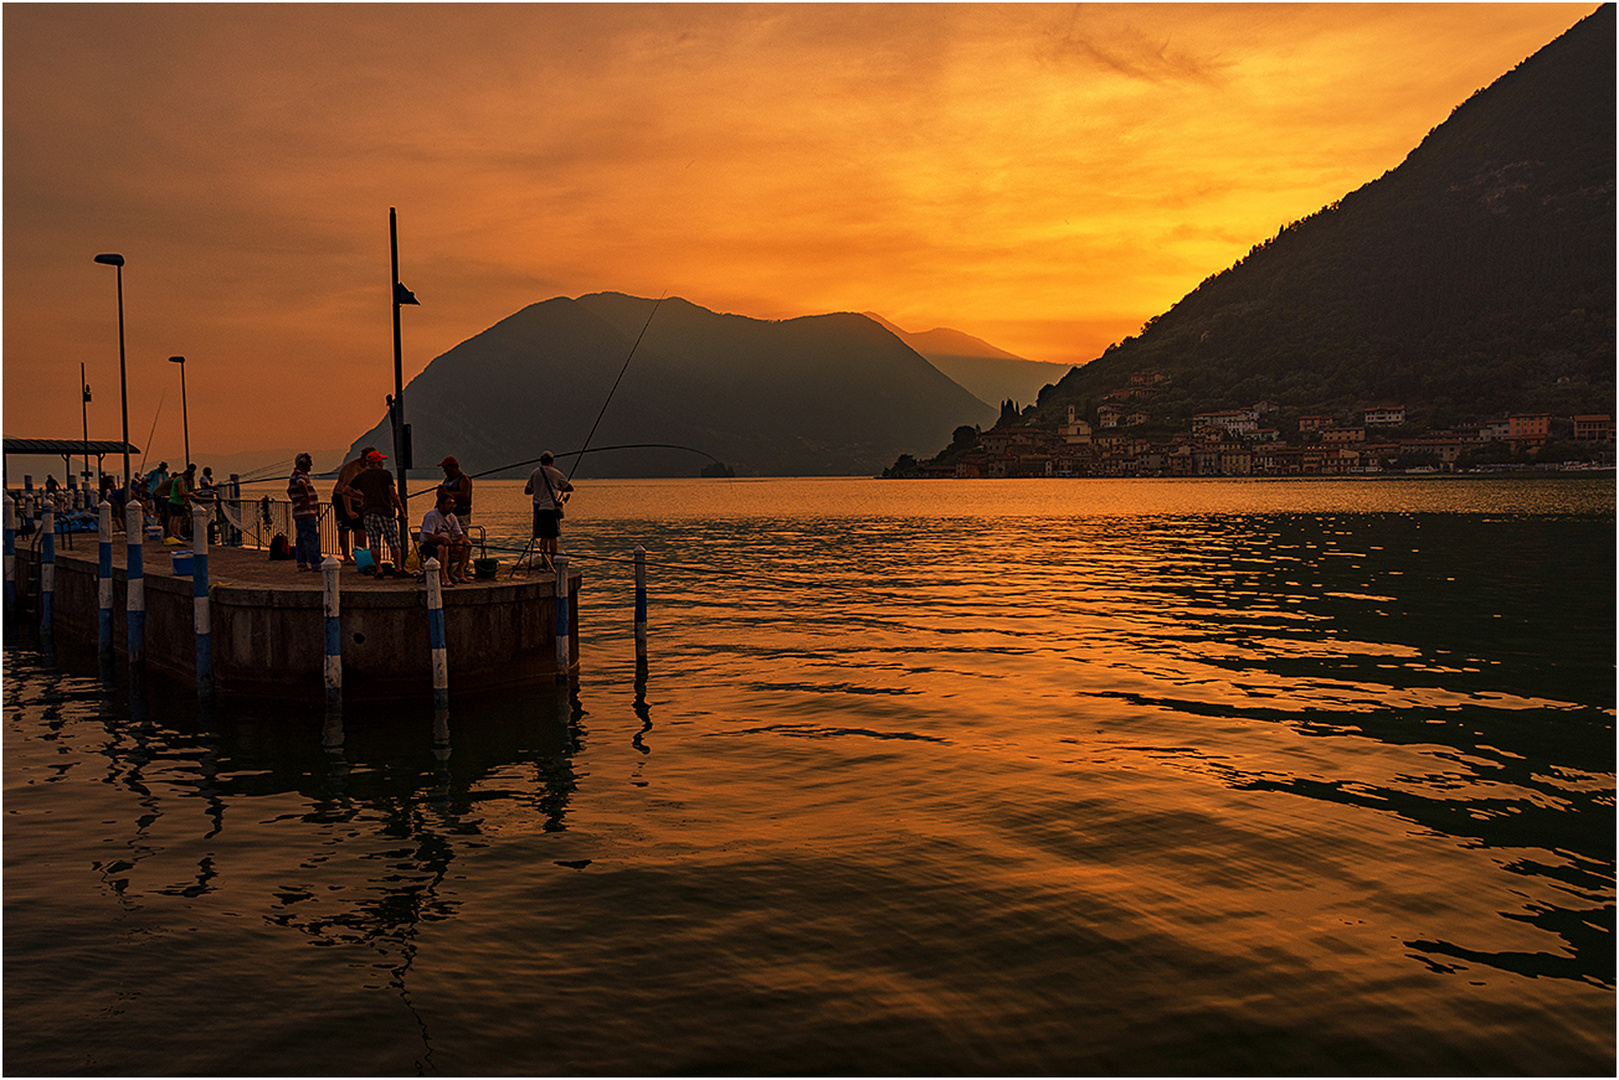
(279,548)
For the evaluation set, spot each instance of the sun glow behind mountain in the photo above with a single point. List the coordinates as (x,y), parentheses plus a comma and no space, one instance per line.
(1044,178)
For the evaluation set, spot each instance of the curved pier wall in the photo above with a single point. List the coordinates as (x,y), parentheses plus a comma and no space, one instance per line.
(269,639)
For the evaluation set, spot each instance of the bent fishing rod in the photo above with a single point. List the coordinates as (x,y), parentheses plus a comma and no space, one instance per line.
(582,453)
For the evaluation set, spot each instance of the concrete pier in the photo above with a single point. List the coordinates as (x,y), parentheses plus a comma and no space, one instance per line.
(269,634)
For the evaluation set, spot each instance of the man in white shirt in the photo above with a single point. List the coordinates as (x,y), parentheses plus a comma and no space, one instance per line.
(443,539)
(549,488)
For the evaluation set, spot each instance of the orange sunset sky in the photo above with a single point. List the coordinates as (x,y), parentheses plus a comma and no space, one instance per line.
(1044,177)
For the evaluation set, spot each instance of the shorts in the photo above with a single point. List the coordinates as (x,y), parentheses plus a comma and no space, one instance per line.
(345,523)
(438,549)
(546,524)
(382,527)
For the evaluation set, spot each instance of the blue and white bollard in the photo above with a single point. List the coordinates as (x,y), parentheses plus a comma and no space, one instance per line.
(104,580)
(135,599)
(334,630)
(11,556)
(199,593)
(562,618)
(47,571)
(435,633)
(640,604)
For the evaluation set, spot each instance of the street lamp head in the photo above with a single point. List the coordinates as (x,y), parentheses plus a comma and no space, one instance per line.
(177,360)
(110,259)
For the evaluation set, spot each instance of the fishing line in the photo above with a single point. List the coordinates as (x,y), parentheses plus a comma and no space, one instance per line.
(616,381)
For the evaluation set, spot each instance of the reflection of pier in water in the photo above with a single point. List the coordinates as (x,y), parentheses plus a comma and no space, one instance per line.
(392,797)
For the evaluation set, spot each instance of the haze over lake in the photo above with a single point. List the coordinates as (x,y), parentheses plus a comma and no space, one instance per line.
(924,777)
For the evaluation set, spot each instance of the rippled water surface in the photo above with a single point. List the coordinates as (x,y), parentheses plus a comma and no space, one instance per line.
(923,777)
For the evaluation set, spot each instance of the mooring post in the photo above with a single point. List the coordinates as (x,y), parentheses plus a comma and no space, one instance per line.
(11,556)
(640,604)
(104,572)
(435,633)
(135,585)
(47,570)
(199,593)
(562,632)
(329,568)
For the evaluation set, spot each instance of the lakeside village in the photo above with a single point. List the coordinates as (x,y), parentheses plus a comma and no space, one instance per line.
(1249,442)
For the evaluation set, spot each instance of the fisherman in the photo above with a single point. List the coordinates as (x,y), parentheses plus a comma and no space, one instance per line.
(458,485)
(443,538)
(548,486)
(346,505)
(305,513)
(380,508)
(181,489)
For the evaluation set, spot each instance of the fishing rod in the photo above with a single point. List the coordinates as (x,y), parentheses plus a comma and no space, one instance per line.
(149,434)
(616,381)
(597,450)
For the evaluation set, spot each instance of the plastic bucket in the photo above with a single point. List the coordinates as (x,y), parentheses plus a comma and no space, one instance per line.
(182,563)
(484,569)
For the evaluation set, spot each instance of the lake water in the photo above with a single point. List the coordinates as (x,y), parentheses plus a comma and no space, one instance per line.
(924,777)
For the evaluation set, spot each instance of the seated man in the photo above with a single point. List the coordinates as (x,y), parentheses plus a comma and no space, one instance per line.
(443,539)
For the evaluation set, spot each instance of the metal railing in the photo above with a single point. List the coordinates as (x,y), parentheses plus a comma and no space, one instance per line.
(254,523)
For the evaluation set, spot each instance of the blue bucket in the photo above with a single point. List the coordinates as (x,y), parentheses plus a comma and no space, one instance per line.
(182,563)
(363,559)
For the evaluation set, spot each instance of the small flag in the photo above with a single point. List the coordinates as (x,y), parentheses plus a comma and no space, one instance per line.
(403,295)
(87,391)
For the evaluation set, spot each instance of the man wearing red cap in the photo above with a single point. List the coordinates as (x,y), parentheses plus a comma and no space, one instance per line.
(457,485)
(380,507)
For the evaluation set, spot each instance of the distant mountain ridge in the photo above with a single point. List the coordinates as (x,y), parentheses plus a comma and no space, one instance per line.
(991,374)
(831,394)
(1475,279)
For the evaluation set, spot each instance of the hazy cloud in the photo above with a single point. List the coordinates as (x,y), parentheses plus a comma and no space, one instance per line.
(1043,177)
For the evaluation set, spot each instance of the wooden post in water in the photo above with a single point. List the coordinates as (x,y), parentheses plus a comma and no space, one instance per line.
(47,571)
(334,630)
(199,593)
(104,582)
(135,600)
(562,631)
(640,605)
(11,556)
(435,633)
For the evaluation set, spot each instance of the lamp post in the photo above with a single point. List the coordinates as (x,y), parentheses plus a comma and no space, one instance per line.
(185,417)
(396,403)
(84,418)
(113,259)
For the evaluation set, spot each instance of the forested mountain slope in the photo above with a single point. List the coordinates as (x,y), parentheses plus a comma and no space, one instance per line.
(1476,278)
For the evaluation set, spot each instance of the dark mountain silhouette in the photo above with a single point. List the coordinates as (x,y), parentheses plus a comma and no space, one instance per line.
(821,395)
(1475,279)
(991,374)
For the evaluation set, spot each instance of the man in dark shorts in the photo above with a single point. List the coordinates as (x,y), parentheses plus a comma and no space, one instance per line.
(547,485)
(346,505)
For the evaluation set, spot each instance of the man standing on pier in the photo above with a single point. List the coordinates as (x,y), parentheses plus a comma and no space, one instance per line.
(346,505)
(305,514)
(380,507)
(547,485)
(458,485)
